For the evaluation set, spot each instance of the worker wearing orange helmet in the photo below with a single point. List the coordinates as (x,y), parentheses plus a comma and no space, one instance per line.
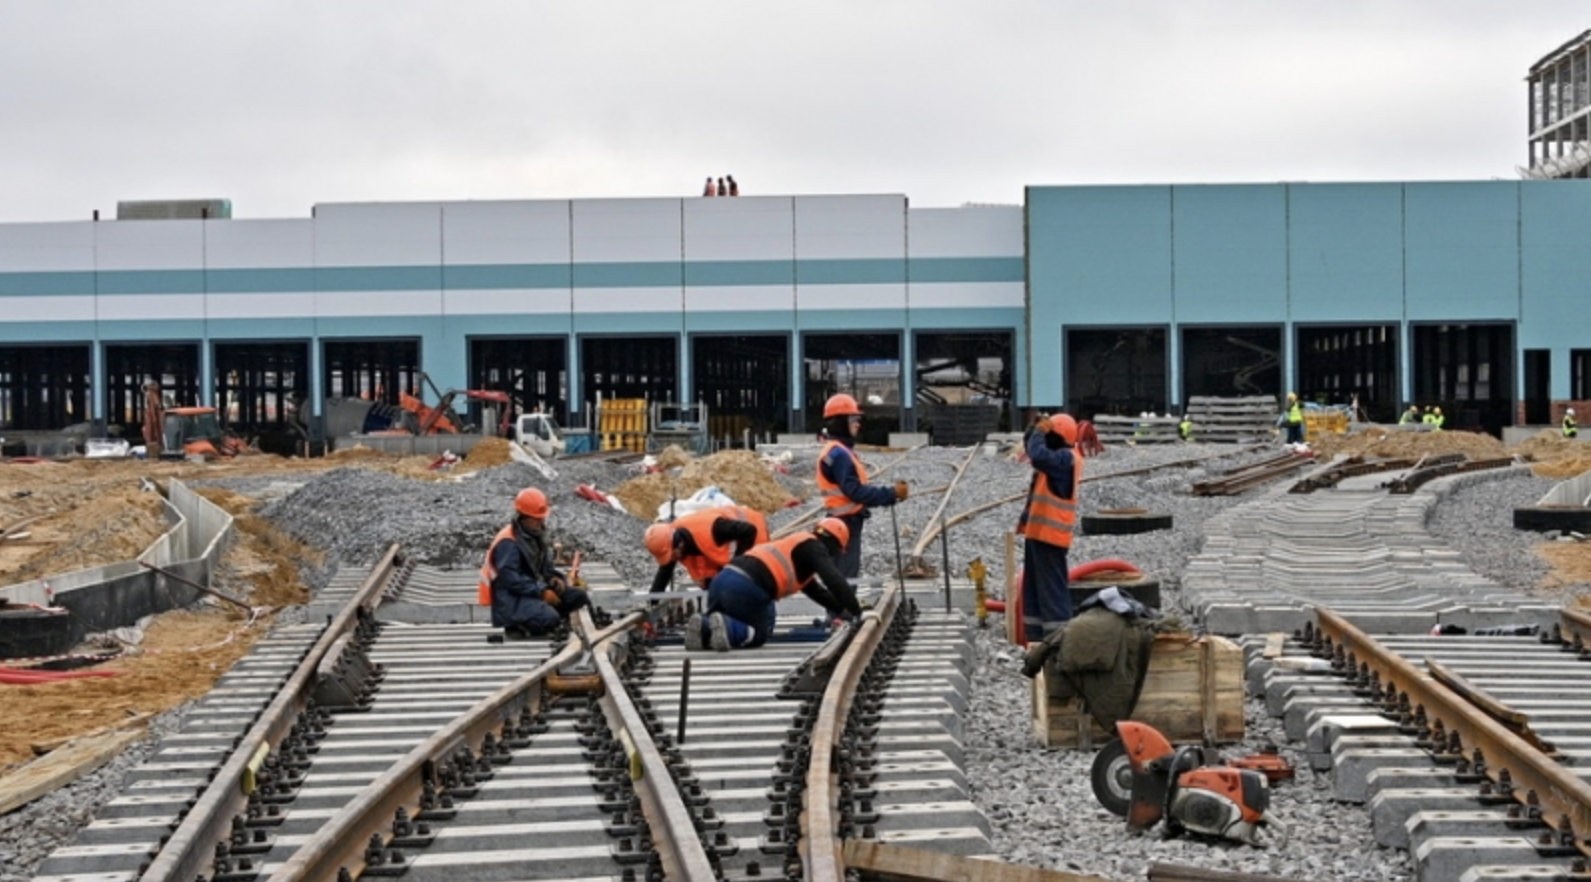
(1048,522)
(703,542)
(528,596)
(842,478)
(742,599)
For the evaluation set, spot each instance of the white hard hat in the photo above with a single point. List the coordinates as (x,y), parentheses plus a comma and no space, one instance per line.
(1569,411)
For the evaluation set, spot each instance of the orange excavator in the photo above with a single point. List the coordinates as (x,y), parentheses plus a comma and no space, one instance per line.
(191,431)
(441,419)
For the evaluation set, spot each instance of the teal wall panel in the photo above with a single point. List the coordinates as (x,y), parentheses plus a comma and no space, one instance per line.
(1462,247)
(1345,252)
(260,329)
(47,332)
(1229,252)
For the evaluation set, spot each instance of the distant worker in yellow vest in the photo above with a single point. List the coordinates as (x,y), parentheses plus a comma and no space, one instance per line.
(1570,430)
(528,596)
(1048,522)
(1185,428)
(842,479)
(1294,419)
(703,542)
(1428,417)
(1437,420)
(1412,415)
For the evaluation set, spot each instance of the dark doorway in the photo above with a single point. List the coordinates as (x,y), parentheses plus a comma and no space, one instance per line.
(1538,386)
(534,371)
(374,370)
(1115,371)
(745,383)
(44,388)
(864,366)
(259,390)
(127,366)
(1231,362)
(1335,364)
(629,368)
(1467,370)
(963,384)
(1580,374)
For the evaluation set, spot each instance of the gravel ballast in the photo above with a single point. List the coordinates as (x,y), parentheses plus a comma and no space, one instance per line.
(1039,801)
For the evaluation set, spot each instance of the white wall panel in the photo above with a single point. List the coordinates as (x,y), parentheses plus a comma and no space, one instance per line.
(626,230)
(47,309)
(809,297)
(248,306)
(505,232)
(61,247)
(848,227)
(378,303)
(965,295)
(733,298)
(984,231)
(270,244)
(512,301)
(150,245)
(595,300)
(378,235)
(149,307)
(742,228)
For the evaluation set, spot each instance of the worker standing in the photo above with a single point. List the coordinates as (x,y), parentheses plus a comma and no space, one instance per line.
(527,595)
(154,417)
(1048,521)
(1185,428)
(742,600)
(703,542)
(1294,419)
(1570,430)
(842,479)
(1437,420)
(1412,415)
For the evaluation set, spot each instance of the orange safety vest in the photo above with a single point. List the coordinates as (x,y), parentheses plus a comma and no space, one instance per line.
(714,557)
(834,499)
(775,556)
(1047,517)
(483,591)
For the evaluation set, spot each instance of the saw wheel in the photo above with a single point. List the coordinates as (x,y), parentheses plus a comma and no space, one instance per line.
(1111,778)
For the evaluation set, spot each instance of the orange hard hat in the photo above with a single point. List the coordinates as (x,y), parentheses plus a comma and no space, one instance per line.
(532,503)
(841,405)
(660,541)
(836,528)
(1062,424)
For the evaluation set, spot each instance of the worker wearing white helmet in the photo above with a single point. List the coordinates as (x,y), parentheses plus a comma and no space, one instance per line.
(1570,430)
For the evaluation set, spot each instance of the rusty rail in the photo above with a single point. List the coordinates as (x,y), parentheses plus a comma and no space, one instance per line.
(1458,731)
(1246,477)
(1442,468)
(189,852)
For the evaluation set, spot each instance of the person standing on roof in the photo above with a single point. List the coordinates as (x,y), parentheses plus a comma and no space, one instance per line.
(742,602)
(842,479)
(703,542)
(1570,430)
(1294,419)
(709,190)
(528,596)
(1048,522)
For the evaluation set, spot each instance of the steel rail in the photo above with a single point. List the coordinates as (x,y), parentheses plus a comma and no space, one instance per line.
(1262,472)
(1507,759)
(822,858)
(188,853)
(1575,629)
(343,843)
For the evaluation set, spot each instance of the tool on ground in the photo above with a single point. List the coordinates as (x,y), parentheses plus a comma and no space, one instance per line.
(1142,777)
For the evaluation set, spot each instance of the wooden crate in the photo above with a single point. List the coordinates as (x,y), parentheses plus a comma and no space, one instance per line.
(1193,685)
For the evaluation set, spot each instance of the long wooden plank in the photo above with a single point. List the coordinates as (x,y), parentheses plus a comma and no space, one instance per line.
(905,864)
(61,767)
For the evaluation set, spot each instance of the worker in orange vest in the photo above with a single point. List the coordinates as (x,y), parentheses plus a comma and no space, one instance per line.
(842,478)
(1047,523)
(528,596)
(703,542)
(742,600)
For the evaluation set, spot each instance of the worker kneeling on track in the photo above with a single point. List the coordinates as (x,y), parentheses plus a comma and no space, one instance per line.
(703,542)
(527,595)
(742,600)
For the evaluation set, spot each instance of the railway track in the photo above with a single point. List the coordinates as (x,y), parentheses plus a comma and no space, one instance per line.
(365,748)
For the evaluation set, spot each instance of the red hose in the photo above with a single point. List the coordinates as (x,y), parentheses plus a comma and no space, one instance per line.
(25,677)
(1108,565)
(994,605)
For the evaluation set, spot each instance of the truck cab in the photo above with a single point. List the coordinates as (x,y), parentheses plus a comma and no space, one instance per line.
(540,434)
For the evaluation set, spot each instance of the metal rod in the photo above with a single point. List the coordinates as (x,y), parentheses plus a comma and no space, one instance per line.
(944,556)
(684,700)
(196,586)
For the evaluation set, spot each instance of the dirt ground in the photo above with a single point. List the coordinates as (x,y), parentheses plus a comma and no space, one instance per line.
(91,512)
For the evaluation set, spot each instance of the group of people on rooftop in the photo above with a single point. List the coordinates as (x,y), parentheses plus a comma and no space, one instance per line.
(726,186)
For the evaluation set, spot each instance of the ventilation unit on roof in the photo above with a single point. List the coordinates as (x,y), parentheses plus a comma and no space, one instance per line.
(175,209)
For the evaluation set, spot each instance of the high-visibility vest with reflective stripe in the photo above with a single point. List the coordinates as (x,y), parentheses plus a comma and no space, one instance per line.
(714,557)
(483,591)
(1047,517)
(1295,414)
(834,499)
(775,556)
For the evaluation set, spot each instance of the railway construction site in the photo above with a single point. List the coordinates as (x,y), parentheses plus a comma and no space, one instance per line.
(695,766)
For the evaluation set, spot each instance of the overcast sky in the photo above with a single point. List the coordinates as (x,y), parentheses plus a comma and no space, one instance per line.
(280,105)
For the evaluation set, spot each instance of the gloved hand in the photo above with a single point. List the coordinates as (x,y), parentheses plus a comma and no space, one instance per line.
(871,615)
(1044,426)
(557,584)
(550,597)
(901,490)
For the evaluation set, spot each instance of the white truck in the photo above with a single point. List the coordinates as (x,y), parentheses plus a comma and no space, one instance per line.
(540,434)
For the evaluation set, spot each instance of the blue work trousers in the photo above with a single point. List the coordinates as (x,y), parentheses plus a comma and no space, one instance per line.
(1046,596)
